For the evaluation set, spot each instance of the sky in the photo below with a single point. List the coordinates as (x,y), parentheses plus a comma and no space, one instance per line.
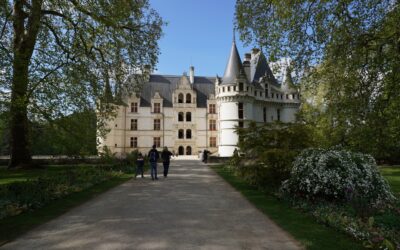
(199,33)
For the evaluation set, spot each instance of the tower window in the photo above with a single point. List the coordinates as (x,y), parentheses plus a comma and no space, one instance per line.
(229,88)
(240,86)
(278,114)
(266,93)
(240,110)
(287,96)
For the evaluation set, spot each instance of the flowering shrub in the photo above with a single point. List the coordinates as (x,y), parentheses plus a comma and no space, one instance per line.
(338,175)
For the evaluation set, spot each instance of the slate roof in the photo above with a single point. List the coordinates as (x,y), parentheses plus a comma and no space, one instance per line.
(165,85)
(234,66)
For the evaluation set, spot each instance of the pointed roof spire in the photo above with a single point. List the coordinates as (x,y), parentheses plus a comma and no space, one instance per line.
(287,81)
(234,66)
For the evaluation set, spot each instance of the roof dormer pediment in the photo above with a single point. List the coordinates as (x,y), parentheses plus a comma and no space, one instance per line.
(184,83)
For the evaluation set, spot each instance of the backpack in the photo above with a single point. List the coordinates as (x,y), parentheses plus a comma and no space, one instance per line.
(153,156)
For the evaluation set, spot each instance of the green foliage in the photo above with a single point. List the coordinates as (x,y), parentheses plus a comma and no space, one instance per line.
(19,197)
(269,150)
(347,53)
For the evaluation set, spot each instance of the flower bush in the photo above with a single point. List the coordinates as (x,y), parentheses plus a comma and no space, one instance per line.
(338,175)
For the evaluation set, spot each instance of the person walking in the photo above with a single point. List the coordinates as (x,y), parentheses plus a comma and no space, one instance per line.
(139,165)
(166,156)
(205,155)
(153,158)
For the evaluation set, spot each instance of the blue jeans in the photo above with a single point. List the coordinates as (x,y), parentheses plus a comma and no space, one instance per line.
(153,170)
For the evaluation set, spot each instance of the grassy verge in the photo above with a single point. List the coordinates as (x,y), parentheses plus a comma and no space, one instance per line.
(392,175)
(302,227)
(12,227)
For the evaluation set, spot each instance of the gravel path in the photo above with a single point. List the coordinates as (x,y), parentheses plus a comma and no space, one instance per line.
(191,209)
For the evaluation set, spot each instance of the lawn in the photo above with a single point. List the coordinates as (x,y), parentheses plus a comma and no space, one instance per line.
(9,176)
(12,227)
(301,226)
(392,175)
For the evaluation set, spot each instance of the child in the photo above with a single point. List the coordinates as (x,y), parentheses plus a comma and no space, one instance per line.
(139,165)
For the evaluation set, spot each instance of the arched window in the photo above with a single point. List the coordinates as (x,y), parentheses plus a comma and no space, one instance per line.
(181,150)
(240,86)
(180,98)
(188,117)
(188,150)
(188,98)
(188,134)
(180,117)
(180,134)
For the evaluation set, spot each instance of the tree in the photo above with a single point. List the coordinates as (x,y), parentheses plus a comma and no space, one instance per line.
(58,57)
(349,52)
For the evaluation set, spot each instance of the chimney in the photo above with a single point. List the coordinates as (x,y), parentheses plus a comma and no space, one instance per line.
(254,52)
(191,74)
(247,57)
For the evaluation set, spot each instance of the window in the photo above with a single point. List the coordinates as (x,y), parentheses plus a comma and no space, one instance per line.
(116,125)
(133,124)
(213,125)
(188,150)
(157,107)
(272,95)
(133,142)
(180,98)
(287,96)
(229,89)
(247,89)
(240,86)
(223,89)
(213,142)
(234,88)
(157,141)
(188,134)
(180,134)
(188,117)
(265,114)
(181,150)
(260,93)
(157,124)
(255,93)
(134,107)
(188,98)
(266,93)
(241,125)
(281,96)
(278,114)
(240,110)
(211,108)
(180,117)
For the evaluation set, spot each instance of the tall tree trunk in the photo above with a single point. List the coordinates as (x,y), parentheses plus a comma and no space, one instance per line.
(26,28)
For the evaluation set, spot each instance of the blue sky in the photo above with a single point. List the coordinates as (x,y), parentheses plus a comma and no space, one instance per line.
(199,32)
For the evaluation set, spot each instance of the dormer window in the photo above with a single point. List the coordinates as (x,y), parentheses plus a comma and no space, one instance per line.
(240,86)
(188,98)
(157,107)
(180,98)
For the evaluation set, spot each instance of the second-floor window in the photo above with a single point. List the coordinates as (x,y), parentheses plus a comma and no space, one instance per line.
(134,124)
(188,117)
(213,125)
(240,110)
(180,117)
(157,124)
(211,108)
(188,134)
(134,107)
(157,107)
(180,134)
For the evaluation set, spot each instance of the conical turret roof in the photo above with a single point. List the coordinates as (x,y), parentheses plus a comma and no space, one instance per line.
(234,66)
(287,81)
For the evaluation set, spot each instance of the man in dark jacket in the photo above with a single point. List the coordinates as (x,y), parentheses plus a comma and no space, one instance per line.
(166,156)
(153,158)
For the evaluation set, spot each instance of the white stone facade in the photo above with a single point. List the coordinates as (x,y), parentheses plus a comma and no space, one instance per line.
(189,114)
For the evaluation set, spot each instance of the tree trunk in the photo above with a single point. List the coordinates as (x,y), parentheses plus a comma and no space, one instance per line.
(26,29)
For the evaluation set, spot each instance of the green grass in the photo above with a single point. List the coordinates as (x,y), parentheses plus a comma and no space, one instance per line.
(18,175)
(392,175)
(302,227)
(12,227)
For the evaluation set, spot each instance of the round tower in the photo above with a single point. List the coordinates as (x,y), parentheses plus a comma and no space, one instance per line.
(230,109)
